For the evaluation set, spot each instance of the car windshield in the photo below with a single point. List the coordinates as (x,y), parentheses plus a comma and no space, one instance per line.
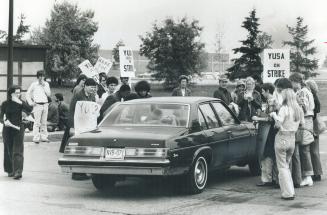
(175,115)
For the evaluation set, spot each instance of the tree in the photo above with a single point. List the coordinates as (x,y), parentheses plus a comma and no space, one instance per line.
(301,50)
(174,49)
(68,34)
(249,63)
(115,51)
(264,41)
(21,31)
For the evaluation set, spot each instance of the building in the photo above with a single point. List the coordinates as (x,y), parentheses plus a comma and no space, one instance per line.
(27,60)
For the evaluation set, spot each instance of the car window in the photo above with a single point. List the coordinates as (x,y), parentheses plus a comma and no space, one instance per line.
(202,122)
(224,115)
(175,115)
(209,116)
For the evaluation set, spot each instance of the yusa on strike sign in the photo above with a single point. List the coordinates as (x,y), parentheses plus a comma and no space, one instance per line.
(126,62)
(276,65)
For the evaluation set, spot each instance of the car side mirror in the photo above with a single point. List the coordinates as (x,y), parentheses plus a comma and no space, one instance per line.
(196,127)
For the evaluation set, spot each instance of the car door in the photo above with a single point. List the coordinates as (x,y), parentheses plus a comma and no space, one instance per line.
(239,134)
(216,135)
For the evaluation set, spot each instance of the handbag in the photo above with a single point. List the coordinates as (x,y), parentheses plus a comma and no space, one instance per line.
(319,126)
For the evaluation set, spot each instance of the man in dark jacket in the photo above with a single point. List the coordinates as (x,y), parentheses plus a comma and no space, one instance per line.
(182,90)
(222,92)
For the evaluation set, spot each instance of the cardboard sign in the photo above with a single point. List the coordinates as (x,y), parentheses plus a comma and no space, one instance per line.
(102,65)
(276,65)
(126,61)
(88,70)
(85,117)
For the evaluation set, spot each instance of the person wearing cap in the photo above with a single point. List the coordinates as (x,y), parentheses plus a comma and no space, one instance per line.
(88,93)
(306,101)
(182,90)
(37,96)
(142,89)
(63,111)
(238,93)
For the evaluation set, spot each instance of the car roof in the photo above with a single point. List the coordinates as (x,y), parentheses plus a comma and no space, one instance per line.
(174,99)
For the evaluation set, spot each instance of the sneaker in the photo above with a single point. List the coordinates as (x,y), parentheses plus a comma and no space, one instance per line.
(307,181)
(288,198)
(45,140)
(11,174)
(17,177)
(36,141)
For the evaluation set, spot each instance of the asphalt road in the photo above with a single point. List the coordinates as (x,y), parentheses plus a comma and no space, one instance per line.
(45,190)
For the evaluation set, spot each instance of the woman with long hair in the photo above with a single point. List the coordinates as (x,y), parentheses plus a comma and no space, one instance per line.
(13,131)
(288,119)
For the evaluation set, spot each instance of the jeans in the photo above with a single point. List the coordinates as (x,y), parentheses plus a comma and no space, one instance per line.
(40,122)
(296,165)
(13,150)
(284,148)
(305,157)
(315,157)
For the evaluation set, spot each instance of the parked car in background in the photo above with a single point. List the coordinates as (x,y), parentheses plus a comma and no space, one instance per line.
(163,136)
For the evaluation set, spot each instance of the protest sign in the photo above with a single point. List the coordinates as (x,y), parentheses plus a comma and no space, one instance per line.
(276,65)
(85,117)
(88,70)
(102,65)
(126,62)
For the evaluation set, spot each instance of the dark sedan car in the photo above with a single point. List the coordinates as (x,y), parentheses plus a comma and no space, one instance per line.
(163,136)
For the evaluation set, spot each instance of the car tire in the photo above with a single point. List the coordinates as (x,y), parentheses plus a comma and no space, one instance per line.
(255,168)
(103,182)
(198,176)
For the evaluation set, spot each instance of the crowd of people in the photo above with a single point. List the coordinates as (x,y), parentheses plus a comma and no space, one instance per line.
(287,110)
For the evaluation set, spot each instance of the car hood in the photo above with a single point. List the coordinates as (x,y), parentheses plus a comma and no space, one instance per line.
(153,137)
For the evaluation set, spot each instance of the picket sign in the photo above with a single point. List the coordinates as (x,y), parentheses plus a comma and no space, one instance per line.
(88,70)
(126,61)
(276,64)
(85,117)
(103,65)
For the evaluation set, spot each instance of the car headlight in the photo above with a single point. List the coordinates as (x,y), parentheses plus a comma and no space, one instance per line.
(83,151)
(146,152)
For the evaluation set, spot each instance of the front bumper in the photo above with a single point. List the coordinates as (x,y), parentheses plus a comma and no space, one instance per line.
(125,167)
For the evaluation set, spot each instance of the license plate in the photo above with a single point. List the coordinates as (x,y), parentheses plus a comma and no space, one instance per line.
(115,154)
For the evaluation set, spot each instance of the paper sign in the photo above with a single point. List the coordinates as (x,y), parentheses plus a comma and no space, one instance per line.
(102,65)
(126,61)
(276,65)
(88,70)
(85,117)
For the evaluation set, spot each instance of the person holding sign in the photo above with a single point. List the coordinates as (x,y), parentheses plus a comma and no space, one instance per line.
(86,94)
(79,85)
(13,132)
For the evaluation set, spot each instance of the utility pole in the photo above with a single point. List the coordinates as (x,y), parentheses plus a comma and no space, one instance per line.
(10,45)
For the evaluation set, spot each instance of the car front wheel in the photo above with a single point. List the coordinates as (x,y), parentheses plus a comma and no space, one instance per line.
(102,182)
(197,177)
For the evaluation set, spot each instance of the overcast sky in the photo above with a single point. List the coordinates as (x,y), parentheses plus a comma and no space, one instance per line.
(127,19)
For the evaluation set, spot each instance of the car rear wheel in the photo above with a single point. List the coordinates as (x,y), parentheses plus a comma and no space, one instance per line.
(197,177)
(103,182)
(254,167)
